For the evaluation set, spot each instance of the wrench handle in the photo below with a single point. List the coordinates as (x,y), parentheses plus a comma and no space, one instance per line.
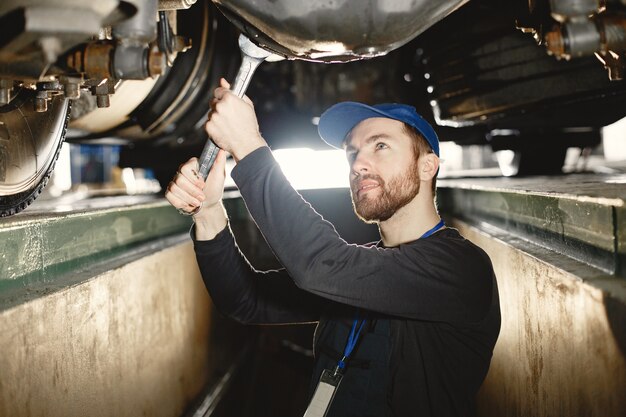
(207,158)
(240,85)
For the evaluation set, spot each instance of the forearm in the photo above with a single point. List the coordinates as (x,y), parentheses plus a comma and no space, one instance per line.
(247,295)
(315,256)
(210,221)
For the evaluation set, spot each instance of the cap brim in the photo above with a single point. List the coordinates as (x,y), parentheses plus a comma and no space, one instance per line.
(336,122)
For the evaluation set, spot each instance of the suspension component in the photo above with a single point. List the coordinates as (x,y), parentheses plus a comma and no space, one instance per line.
(585,37)
(585,28)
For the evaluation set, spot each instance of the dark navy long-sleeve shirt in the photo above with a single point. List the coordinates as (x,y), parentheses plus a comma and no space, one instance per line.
(431,304)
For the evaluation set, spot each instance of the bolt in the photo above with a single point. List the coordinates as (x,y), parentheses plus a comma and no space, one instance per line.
(554,43)
(156,62)
(102,100)
(616,73)
(72,91)
(45,90)
(5,91)
(615,66)
(71,86)
(5,96)
(181,43)
(41,104)
(102,91)
(49,86)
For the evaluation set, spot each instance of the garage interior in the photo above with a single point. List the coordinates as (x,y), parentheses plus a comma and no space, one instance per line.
(103,311)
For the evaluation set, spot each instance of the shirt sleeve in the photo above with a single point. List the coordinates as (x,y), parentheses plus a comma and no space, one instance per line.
(429,279)
(247,295)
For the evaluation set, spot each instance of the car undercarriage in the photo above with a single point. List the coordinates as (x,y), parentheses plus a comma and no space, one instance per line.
(535,77)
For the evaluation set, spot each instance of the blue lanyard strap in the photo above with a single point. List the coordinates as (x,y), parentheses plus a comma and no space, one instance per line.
(434,229)
(353,338)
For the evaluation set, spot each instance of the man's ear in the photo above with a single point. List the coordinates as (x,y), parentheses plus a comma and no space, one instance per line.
(428,166)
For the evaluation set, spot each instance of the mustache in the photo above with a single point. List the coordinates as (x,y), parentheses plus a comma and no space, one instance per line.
(354,182)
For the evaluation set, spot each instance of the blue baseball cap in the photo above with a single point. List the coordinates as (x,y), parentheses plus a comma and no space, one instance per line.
(336,122)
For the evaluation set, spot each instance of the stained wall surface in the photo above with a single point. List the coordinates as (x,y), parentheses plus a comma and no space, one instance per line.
(131,341)
(562,345)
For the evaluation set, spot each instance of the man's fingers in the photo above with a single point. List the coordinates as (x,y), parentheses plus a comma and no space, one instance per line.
(174,200)
(189,170)
(221,92)
(185,198)
(247,100)
(178,203)
(211,129)
(190,188)
(220,161)
(219,166)
(182,195)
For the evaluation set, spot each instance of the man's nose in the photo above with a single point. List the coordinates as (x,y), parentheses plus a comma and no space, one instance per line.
(361,165)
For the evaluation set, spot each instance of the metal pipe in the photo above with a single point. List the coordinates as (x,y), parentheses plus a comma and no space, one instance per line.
(175,4)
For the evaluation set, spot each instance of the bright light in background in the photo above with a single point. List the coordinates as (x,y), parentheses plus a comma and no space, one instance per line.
(128,178)
(61,179)
(451,158)
(307,169)
(613,138)
(508,161)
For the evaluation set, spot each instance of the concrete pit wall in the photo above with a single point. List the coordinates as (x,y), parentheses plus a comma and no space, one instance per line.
(561,350)
(132,341)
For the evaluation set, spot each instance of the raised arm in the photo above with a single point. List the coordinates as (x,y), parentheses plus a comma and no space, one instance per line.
(443,277)
(237,289)
(247,295)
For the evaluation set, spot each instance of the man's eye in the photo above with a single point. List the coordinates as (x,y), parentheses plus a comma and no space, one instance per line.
(381,145)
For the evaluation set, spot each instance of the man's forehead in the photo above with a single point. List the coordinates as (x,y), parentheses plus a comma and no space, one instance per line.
(374,127)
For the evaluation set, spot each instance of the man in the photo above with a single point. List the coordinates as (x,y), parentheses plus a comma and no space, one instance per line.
(406,326)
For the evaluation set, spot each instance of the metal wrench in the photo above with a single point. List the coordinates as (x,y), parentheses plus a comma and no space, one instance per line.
(251,58)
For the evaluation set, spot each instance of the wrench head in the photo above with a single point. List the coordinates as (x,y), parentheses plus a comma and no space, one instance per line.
(249,48)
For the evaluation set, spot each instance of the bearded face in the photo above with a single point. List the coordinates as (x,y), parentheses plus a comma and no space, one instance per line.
(388,198)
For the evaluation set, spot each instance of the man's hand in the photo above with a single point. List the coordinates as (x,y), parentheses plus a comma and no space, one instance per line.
(232,124)
(187,191)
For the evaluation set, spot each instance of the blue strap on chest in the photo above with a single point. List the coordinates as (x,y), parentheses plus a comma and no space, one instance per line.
(353,337)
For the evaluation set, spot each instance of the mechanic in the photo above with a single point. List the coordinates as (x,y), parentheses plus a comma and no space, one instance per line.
(406,326)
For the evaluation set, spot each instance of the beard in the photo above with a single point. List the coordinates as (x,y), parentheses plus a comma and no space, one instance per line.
(394,195)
